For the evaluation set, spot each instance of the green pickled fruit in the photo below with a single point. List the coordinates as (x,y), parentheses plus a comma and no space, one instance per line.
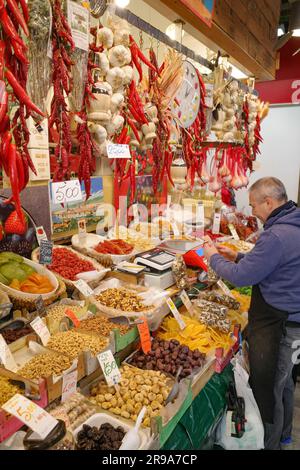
(4,280)
(28,269)
(9,256)
(12,270)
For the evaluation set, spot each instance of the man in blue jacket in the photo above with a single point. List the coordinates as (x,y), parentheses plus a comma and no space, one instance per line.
(273,269)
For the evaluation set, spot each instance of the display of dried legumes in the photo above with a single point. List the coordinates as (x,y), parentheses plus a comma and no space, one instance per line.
(16,106)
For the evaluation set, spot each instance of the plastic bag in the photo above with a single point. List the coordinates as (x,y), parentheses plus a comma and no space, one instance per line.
(253,438)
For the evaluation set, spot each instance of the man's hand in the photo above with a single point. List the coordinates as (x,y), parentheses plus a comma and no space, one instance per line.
(228,253)
(209,248)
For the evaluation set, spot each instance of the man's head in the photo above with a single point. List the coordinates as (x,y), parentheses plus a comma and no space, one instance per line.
(265,196)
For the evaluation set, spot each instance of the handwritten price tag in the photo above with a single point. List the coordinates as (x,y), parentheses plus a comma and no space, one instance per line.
(224,288)
(144,335)
(233,231)
(216,223)
(118,151)
(82,230)
(175,313)
(41,234)
(30,414)
(186,301)
(70,314)
(6,356)
(66,191)
(41,330)
(84,288)
(69,385)
(46,248)
(109,367)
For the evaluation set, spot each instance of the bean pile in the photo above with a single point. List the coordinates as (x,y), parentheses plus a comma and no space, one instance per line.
(102,326)
(58,312)
(72,343)
(45,365)
(7,390)
(105,438)
(67,264)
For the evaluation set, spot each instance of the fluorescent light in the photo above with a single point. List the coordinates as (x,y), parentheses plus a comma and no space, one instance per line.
(280,31)
(296,33)
(237,73)
(122,3)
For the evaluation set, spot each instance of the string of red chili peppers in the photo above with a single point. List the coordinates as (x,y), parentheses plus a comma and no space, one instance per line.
(14,155)
(62,46)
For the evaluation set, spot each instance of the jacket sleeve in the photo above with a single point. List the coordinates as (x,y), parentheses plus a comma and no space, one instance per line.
(253,267)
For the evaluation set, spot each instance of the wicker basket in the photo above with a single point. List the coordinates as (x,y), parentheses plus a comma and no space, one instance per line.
(70,284)
(30,305)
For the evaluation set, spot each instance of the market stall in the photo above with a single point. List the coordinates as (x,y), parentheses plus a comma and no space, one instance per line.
(109,312)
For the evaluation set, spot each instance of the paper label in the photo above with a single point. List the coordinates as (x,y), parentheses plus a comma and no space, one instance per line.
(6,356)
(70,314)
(144,335)
(186,301)
(78,19)
(84,288)
(40,234)
(41,330)
(30,414)
(69,385)
(175,313)
(109,367)
(41,161)
(216,223)
(118,151)
(46,248)
(200,214)
(40,306)
(233,231)
(39,138)
(81,229)
(66,191)
(225,289)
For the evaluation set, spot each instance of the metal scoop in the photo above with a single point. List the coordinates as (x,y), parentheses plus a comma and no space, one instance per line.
(175,389)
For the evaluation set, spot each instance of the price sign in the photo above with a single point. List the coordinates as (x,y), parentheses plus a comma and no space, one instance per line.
(82,229)
(31,414)
(70,314)
(40,234)
(84,288)
(41,330)
(216,223)
(186,301)
(200,215)
(109,367)
(118,151)
(233,231)
(46,248)
(6,356)
(144,335)
(225,289)
(175,313)
(66,191)
(69,385)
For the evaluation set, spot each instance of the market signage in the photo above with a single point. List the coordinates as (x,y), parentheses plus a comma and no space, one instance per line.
(109,367)
(280,91)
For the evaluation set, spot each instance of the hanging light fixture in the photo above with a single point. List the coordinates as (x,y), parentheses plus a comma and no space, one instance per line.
(175,30)
(122,3)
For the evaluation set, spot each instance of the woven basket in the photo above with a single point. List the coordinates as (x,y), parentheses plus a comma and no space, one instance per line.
(70,284)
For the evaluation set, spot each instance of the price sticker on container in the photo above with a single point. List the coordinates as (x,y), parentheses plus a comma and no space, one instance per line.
(46,248)
(175,313)
(118,151)
(233,231)
(41,330)
(69,385)
(6,356)
(109,367)
(144,335)
(224,288)
(41,234)
(66,191)
(186,302)
(216,223)
(30,414)
(84,288)
(70,314)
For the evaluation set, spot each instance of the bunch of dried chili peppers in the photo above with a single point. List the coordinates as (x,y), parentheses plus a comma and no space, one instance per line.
(62,46)
(14,133)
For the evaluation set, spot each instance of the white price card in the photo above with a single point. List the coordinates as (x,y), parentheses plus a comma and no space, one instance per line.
(109,367)
(81,229)
(216,223)
(175,313)
(200,214)
(6,356)
(41,330)
(78,19)
(84,288)
(69,385)
(233,231)
(66,191)
(31,414)
(41,234)
(186,301)
(118,151)
(224,288)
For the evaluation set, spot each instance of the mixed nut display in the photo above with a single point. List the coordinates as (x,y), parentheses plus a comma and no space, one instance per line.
(122,299)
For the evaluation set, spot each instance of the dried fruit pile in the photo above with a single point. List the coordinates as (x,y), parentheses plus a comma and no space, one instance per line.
(114,247)
(105,438)
(68,264)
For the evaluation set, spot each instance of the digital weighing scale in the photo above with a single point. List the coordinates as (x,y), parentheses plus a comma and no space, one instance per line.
(158,271)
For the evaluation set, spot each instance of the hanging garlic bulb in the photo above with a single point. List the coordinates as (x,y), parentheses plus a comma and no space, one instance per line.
(236,181)
(215,184)
(204,173)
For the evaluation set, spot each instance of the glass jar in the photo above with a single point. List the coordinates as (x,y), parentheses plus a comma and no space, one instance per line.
(58,439)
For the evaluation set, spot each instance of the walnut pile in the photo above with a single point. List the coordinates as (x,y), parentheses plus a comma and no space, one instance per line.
(122,299)
(72,343)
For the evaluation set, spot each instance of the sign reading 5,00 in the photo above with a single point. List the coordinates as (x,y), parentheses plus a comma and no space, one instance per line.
(110,369)
(66,191)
